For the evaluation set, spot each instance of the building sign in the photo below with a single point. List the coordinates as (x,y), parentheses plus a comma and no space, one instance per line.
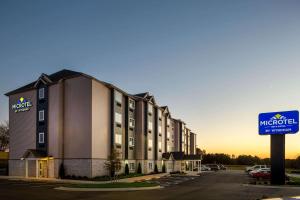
(22,105)
(278,123)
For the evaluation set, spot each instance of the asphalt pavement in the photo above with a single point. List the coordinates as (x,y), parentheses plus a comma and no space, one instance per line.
(224,185)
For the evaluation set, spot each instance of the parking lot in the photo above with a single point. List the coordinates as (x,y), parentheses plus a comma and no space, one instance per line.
(213,185)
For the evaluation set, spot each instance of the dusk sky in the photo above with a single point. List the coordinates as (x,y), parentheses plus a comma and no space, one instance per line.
(216,64)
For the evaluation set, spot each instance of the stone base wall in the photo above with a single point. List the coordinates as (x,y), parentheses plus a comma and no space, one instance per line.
(16,167)
(98,168)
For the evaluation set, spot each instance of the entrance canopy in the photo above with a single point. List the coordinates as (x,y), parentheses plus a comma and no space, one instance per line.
(34,153)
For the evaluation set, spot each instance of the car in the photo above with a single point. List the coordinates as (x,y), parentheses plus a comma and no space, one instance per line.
(259,170)
(222,167)
(255,167)
(264,173)
(203,168)
(213,167)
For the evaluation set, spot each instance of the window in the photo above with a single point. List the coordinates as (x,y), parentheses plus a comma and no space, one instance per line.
(41,138)
(150,166)
(150,126)
(168,135)
(150,144)
(159,130)
(118,97)
(118,118)
(131,122)
(131,104)
(118,139)
(131,166)
(150,108)
(159,146)
(41,115)
(41,93)
(168,148)
(131,142)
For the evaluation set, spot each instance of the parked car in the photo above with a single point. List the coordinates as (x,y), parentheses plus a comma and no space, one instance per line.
(203,168)
(222,167)
(213,167)
(264,173)
(259,170)
(255,167)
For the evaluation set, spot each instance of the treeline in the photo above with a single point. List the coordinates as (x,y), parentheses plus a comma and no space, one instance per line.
(226,159)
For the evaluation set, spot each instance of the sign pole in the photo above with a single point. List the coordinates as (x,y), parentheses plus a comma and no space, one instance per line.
(278,159)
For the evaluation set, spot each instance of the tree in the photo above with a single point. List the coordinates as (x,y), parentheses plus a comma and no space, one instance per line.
(155,169)
(139,170)
(61,171)
(113,164)
(164,168)
(126,169)
(4,136)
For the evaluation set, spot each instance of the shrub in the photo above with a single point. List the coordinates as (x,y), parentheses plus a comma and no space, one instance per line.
(155,169)
(126,169)
(163,168)
(61,171)
(139,169)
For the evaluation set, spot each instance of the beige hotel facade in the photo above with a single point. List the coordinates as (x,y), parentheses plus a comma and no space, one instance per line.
(73,119)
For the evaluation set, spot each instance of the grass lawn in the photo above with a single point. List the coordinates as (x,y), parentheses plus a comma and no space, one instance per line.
(294,181)
(115,185)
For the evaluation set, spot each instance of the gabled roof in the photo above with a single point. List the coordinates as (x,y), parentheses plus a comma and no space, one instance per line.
(142,95)
(166,110)
(34,153)
(146,96)
(47,79)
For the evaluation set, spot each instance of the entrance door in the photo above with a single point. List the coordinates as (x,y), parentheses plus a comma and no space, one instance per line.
(43,169)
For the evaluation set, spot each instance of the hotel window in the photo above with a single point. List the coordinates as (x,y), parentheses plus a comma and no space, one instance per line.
(131,166)
(159,114)
(41,138)
(150,166)
(150,144)
(131,122)
(131,104)
(159,146)
(41,93)
(41,115)
(118,118)
(150,125)
(150,108)
(131,142)
(118,97)
(159,130)
(118,139)
(168,148)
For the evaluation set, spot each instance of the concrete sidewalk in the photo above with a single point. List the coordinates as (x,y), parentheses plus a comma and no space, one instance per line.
(53,180)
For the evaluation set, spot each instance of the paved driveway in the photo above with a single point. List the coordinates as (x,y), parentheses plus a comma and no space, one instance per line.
(226,185)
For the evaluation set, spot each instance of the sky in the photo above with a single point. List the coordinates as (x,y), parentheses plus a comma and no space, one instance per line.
(216,64)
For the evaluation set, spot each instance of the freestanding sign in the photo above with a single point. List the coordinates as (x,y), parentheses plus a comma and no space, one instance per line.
(277,124)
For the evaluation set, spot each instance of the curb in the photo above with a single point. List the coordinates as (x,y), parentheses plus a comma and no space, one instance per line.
(272,186)
(107,189)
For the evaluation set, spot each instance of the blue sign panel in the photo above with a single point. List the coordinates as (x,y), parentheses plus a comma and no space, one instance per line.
(278,123)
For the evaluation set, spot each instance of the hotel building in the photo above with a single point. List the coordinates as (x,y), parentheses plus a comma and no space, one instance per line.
(73,119)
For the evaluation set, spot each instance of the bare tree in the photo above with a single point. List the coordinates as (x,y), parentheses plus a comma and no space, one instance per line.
(4,136)
(113,164)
